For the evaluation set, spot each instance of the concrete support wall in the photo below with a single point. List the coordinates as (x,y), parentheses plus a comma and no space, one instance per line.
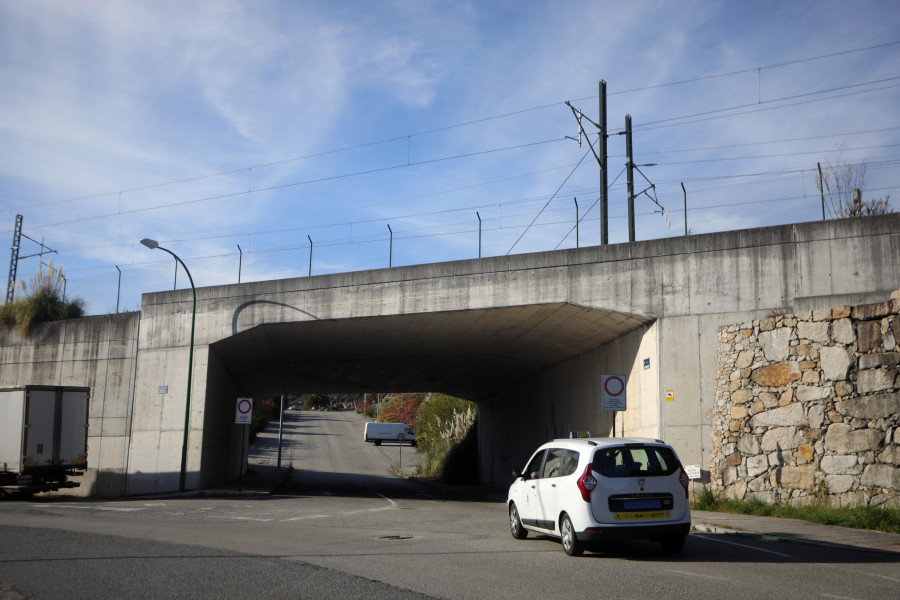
(223,440)
(95,352)
(565,398)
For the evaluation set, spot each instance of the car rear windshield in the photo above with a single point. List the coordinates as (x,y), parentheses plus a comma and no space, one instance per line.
(635,460)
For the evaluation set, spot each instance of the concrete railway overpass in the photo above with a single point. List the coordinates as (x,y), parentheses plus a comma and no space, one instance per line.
(527,337)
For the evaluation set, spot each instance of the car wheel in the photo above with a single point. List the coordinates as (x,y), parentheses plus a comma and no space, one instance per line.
(377,442)
(515,524)
(570,542)
(673,544)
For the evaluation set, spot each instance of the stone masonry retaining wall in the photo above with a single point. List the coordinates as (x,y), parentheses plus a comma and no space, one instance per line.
(808,407)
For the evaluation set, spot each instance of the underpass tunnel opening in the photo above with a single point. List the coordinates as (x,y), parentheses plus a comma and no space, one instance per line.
(534,371)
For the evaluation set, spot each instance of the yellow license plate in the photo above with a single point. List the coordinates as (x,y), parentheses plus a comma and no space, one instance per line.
(642,515)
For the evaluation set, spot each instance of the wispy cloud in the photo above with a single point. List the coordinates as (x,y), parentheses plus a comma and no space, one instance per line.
(102,102)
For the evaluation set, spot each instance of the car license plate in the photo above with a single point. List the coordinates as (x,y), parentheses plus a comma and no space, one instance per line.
(648,504)
(662,514)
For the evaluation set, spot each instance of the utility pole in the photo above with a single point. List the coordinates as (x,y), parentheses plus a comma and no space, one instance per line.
(629,165)
(576,221)
(14,260)
(14,257)
(600,156)
(604,204)
(479,233)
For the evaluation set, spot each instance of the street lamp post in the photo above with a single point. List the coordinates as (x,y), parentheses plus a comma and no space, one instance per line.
(153,245)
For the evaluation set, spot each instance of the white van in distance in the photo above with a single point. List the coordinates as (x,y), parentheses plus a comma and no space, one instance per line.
(396,433)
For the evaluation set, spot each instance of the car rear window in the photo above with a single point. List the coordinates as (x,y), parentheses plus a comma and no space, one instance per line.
(635,460)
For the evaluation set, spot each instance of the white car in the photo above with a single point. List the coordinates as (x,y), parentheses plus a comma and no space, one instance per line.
(596,489)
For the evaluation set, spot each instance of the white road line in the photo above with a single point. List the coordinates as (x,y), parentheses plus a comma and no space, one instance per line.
(106,508)
(869,574)
(391,506)
(743,546)
(699,575)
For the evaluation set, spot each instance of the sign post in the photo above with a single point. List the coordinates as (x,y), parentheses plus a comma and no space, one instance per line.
(613,394)
(243,416)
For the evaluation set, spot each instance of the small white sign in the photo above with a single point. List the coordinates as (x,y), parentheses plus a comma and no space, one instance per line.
(693,471)
(244,413)
(162,389)
(613,394)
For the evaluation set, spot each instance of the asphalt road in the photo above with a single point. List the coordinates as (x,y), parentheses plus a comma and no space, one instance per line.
(346,527)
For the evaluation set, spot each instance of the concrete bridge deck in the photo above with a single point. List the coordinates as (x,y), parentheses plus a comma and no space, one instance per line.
(525,336)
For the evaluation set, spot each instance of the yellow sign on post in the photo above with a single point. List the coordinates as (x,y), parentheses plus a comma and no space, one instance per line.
(670,395)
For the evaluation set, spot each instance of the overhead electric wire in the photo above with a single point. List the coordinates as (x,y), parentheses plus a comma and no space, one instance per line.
(552,197)
(755,69)
(761,109)
(758,103)
(457,125)
(294,184)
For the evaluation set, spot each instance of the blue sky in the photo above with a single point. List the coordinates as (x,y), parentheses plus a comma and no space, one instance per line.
(215,125)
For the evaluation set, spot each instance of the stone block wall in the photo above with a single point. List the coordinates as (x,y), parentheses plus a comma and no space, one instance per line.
(808,407)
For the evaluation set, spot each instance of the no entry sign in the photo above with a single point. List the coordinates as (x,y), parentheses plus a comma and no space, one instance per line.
(244,412)
(613,392)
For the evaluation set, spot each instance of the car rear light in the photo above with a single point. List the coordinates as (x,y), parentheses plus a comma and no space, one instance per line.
(684,480)
(586,483)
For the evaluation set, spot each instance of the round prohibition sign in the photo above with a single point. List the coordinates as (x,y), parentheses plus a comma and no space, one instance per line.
(244,406)
(614,385)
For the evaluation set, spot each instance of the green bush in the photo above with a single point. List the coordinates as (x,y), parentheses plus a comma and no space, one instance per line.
(876,518)
(436,420)
(42,303)
(706,499)
(447,437)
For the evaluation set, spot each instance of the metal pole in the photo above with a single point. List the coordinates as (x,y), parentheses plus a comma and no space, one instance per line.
(479,233)
(240,261)
(175,285)
(118,293)
(821,189)
(244,435)
(685,207)
(310,256)
(280,430)
(187,404)
(604,201)
(14,260)
(576,221)
(66,283)
(630,168)
(391,247)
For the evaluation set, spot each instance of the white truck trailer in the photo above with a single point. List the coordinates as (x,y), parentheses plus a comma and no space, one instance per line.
(43,438)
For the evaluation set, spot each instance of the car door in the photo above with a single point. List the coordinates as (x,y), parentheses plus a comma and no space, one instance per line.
(526,497)
(547,488)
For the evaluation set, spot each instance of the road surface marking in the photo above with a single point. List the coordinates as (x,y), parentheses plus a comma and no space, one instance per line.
(744,546)
(391,506)
(699,575)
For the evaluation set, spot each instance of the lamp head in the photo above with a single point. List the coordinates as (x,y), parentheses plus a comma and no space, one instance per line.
(152,244)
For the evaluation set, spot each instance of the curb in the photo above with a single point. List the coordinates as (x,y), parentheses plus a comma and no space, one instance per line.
(707,528)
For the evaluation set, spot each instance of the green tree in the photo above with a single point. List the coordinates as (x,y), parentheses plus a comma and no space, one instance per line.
(316,402)
(42,302)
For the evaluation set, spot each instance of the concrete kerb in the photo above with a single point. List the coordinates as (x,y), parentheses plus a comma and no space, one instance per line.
(794,530)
